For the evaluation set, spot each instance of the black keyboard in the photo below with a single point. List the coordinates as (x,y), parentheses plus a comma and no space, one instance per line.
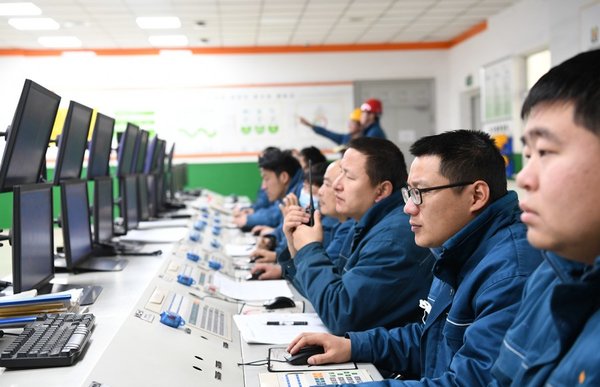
(52,340)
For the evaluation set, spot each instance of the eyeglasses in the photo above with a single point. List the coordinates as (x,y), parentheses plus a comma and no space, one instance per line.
(415,194)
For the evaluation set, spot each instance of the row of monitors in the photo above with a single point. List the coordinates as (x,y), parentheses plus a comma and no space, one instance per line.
(142,198)
(29,135)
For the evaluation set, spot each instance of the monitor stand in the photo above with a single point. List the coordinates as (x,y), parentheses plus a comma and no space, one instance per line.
(89,293)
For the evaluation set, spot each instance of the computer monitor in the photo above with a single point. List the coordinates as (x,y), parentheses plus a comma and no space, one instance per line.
(178,172)
(76,231)
(160,157)
(72,142)
(140,152)
(151,181)
(170,158)
(143,204)
(151,155)
(32,237)
(126,149)
(100,147)
(129,202)
(103,210)
(28,136)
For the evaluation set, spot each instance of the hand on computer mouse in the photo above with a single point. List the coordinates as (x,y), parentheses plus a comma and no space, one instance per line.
(337,349)
(269,270)
(254,275)
(303,354)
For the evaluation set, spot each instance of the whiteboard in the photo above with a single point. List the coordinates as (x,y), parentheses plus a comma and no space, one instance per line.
(216,120)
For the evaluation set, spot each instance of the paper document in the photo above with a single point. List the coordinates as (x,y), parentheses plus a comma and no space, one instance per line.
(251,290)
(158,235)
(239,250)
(163,223)
(276,328)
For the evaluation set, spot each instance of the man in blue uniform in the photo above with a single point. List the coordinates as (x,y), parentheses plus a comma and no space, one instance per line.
(379,274)
(459,207)
(554,338)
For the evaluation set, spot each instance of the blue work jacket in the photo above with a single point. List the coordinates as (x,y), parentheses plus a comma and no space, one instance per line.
(479,273)
(261,201)
(378,277)
(374,130)
(333,243)
(338,138)
(271,216)
(555,338)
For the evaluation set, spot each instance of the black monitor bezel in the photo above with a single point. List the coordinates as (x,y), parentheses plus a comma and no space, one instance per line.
(94,153)
(127,224)
(63,143)
(11,139)
(17,268)
(71,265)
(139,154)
(128,139)
(96,209)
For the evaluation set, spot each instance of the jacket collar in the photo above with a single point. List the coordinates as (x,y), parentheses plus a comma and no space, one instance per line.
(296,183)
(453,255)
(374,215)
(569,271)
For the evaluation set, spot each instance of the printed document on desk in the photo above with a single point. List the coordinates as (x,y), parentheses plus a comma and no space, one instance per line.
(157,235)
(251,290)
(276,328)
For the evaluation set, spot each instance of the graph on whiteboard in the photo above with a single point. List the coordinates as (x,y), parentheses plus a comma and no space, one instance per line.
(225,120)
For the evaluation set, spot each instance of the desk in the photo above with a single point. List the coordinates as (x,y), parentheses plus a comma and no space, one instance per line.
(126,350)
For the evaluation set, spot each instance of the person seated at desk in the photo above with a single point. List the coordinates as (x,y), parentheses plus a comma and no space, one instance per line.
(459,207)
(263,254)
(262,200)
(281,174)
(554,339)
(333,239)
(380,274)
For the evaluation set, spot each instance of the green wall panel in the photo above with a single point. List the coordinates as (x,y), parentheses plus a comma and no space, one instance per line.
(224,178)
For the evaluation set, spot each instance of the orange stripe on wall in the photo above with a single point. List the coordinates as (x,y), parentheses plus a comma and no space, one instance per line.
(407,46)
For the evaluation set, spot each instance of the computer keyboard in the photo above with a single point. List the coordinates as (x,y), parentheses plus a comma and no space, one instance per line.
(52,340)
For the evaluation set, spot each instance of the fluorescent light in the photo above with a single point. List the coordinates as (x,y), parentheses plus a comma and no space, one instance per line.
(158,22)
(168,40)
(19,9)
(33,23)
(59,41)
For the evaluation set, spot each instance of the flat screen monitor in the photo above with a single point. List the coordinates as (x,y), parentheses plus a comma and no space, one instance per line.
(103,210)
(170,158)
(100,147)
(129,202)
(126,149)
(76,231)
(33,243)
(28,136)
(143,210)
(140,152)
(72,143)
(152,180)
(178,173)
(160,157)
(151,154)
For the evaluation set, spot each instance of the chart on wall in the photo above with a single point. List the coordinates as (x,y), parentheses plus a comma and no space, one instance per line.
(232,120)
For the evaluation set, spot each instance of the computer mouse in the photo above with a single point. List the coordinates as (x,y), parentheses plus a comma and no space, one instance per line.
(254,276)
(279,302)
(301,357)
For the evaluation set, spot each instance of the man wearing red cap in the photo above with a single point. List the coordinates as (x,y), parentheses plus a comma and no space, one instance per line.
(371,110)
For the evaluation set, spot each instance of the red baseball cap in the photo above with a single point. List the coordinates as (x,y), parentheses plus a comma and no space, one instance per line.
(372,106)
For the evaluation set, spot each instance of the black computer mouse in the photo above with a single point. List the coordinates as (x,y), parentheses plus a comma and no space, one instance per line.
(301,357)
(280,302)
(254,276)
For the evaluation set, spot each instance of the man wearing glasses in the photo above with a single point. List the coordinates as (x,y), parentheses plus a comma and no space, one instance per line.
(459,207)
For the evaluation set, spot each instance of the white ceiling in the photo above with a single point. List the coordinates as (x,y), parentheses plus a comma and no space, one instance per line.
(232,23)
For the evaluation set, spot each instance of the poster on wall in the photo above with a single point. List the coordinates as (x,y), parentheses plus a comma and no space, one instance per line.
(232,120)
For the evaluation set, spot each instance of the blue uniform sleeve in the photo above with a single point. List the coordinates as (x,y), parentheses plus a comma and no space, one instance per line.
(471,365)
(270,216)
(386,272)
(396,350)
(338,138)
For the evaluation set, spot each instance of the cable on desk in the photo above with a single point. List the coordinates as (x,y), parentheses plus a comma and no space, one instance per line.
(260,362)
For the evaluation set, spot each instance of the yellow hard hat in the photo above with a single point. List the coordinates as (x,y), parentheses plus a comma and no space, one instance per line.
(355,115)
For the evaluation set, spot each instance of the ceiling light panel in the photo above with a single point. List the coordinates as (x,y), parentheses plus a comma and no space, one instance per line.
(19,9)
(33,23)
(158,22)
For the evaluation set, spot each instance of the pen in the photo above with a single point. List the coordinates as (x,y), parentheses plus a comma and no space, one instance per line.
(287,322)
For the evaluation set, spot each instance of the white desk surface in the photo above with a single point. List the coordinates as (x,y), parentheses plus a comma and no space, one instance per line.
(161,355)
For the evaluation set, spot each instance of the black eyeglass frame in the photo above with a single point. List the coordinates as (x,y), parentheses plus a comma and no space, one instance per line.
(412,193)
